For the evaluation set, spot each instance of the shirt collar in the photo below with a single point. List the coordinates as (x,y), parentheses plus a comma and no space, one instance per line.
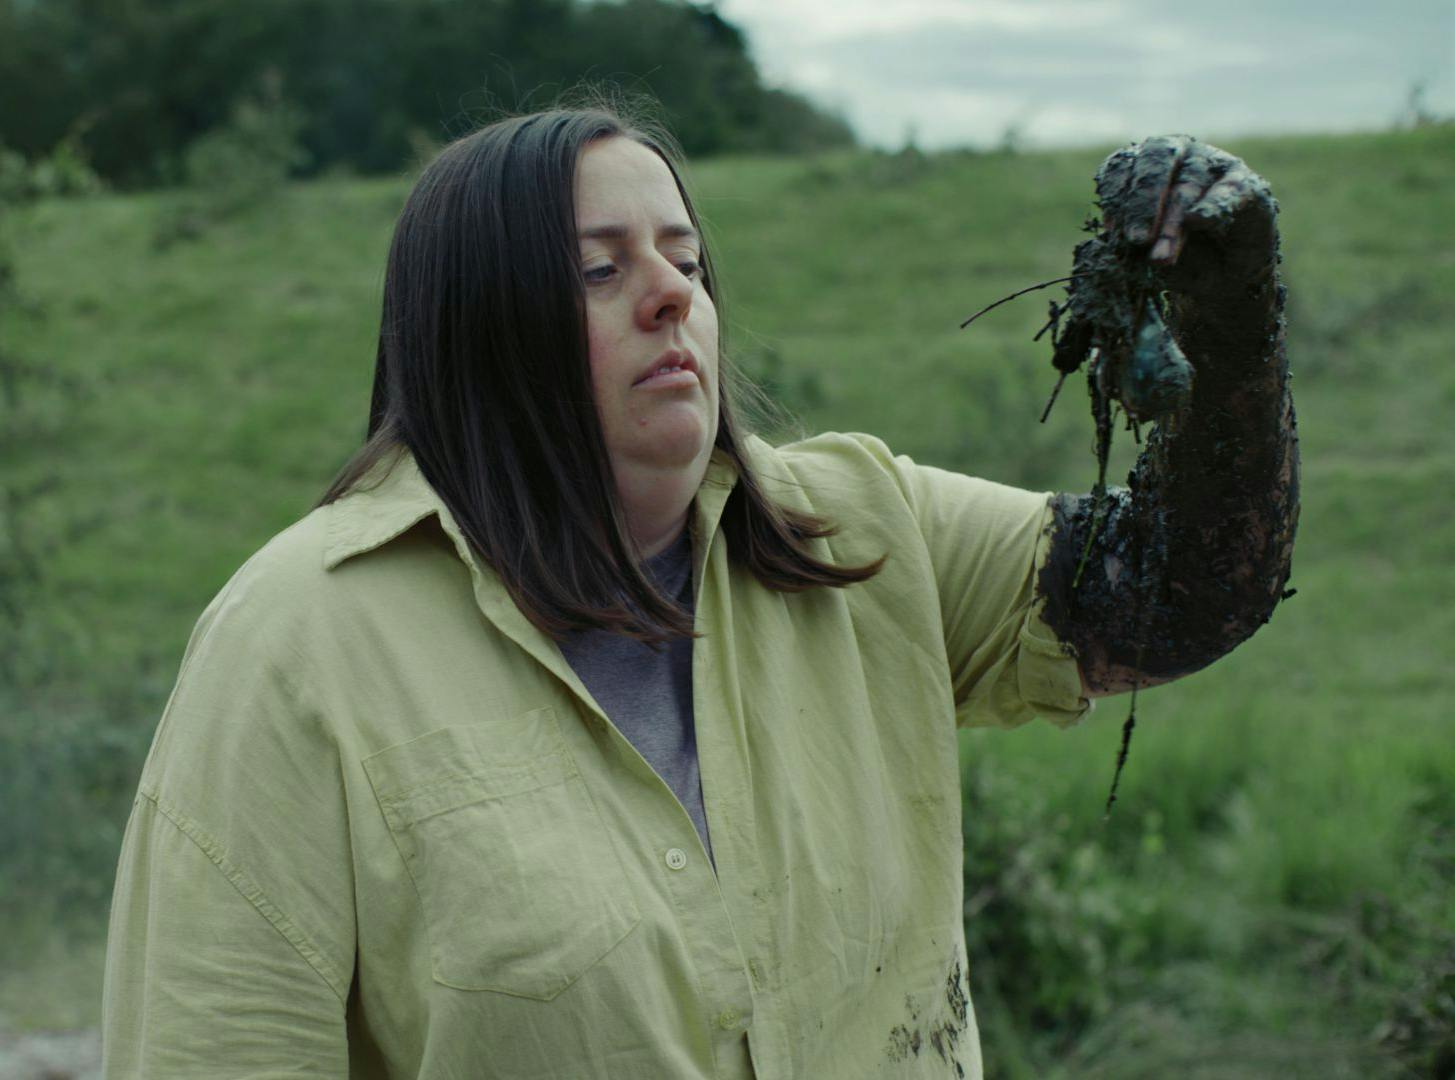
(393,497)
(389,500)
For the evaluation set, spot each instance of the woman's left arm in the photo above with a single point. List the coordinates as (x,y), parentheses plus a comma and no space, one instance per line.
(1164,576)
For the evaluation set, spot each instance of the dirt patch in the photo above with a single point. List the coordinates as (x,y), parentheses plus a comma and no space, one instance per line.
(950,1020)
(903,1042)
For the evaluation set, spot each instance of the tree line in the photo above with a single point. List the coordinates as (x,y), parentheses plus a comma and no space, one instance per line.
(132,83)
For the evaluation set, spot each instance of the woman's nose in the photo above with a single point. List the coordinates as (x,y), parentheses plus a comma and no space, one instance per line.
(668,297)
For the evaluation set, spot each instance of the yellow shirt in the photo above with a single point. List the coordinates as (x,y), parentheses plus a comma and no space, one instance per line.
(384,831)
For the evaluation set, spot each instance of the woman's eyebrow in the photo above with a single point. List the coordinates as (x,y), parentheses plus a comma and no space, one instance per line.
(621,232)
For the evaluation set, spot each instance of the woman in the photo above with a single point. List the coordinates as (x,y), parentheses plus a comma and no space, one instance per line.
(578,733)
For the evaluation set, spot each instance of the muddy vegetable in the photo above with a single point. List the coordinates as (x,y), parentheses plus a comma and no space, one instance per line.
(1157,379)
(1114,323)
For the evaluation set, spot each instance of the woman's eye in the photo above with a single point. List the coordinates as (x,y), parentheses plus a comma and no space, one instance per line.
(690,268)
(597,274)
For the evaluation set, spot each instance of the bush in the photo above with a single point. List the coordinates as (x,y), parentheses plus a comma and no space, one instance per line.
(1044,917)
(68,768)
(1421,1026)
(239,166)
(63,172)
(247,160)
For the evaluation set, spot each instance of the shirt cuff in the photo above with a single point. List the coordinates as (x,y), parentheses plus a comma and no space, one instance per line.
(1049,678)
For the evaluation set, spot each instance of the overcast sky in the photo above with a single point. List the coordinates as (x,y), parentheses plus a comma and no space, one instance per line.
(960,72)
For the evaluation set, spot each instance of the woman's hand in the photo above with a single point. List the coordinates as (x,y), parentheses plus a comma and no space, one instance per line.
(1208,220)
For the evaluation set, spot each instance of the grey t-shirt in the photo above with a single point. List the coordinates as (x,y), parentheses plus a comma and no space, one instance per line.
(646,691)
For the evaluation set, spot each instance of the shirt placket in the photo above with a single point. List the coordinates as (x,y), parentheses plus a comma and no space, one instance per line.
(688,877)
(722,745)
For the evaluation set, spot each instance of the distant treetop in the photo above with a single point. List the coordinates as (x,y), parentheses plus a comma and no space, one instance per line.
(134,82)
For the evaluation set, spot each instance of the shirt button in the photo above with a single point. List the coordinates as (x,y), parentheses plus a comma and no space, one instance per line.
(728,1019)
(676,858)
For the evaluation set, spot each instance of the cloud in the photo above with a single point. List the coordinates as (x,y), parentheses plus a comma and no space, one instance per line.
(960,71)
(828,19)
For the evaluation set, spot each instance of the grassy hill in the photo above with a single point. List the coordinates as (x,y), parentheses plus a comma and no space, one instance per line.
(1273,891)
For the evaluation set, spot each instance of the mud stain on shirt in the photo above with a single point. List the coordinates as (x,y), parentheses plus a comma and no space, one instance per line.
(951,1019)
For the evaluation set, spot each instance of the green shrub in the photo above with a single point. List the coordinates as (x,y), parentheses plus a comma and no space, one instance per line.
(1046,916)
(63,172)
(239,166)
(1421,1026)
(68,768)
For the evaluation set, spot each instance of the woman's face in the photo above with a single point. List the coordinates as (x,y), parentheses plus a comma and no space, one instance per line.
(646,310)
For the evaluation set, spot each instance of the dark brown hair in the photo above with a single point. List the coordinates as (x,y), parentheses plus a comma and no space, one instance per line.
(482,372)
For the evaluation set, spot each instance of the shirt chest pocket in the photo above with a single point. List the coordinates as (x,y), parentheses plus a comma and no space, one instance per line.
(520,883)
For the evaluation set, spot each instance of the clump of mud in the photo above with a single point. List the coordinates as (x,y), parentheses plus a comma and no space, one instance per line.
(1113,321)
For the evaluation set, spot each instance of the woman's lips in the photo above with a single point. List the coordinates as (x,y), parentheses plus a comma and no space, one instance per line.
(680,377)
(674,368)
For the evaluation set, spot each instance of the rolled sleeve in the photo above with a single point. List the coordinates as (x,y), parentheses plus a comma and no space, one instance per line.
(987,543)
(1048,677)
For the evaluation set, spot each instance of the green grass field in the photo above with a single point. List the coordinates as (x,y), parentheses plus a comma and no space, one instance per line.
(1273,894)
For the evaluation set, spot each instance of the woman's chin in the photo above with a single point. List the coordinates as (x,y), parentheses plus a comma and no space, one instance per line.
(665,442)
